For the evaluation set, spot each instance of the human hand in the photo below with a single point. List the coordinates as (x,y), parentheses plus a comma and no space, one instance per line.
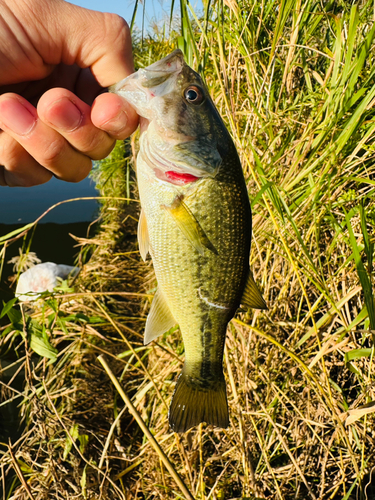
(56,60)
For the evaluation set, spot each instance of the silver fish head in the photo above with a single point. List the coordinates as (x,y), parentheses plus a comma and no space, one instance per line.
(184,129)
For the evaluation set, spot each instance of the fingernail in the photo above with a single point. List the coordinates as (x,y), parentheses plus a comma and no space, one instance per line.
(16,116)
(64,115)
(116,124)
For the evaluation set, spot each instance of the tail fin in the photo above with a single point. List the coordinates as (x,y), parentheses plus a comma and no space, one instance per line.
(193,404)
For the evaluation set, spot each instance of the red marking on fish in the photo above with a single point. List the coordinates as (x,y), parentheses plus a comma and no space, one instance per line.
(179,178)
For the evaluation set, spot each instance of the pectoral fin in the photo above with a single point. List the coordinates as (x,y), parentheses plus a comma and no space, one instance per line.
(251,296)
(189,225)
(159,319)
(143,241)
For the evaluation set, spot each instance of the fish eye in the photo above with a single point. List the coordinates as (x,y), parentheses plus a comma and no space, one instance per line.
(194,95)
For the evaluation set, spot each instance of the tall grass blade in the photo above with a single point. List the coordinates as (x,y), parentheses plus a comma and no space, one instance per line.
(364,278)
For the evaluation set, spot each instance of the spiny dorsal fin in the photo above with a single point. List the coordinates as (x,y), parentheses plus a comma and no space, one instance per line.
(143,241)
(159,319)
(189,225)
(251,296)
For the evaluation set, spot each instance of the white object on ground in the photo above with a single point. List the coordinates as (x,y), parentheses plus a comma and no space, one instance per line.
(42,278)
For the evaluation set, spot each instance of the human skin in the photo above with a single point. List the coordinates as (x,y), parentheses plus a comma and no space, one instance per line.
(56,60)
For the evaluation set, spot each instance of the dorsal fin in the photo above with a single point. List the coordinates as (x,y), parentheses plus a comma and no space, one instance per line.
(143,241)
(251,296)
(189,225)
(159,319)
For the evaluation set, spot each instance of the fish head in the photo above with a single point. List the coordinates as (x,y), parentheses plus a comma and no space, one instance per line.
(182,130)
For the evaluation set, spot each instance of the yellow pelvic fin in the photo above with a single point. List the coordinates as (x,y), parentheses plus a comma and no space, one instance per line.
(159,319)
(251,296)
(189,225)
(143,241)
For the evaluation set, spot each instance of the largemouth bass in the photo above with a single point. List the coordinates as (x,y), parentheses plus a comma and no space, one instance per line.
(196,224)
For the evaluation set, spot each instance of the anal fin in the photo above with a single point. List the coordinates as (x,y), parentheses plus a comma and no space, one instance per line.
(143,240)
(189,225)
(159,319)
(252,297)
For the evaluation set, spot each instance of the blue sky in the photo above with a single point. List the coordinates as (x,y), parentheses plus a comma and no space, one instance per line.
(155,9)
(122,7)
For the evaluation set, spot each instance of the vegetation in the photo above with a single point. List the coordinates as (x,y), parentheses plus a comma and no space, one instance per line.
(295,83)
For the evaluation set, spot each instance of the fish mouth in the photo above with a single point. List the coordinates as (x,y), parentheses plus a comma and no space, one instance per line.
(154,81)
(156,73)
(159,71)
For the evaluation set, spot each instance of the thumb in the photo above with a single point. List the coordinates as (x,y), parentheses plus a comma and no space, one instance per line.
(100,41)
(59,32)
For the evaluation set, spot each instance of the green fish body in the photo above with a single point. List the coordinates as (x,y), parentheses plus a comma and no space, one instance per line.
(196,224)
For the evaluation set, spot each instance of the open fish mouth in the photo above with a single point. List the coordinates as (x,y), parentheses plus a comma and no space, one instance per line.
(160,71)
(156,73)
(154,81)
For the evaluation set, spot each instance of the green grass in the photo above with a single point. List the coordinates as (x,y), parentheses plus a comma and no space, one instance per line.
(295,84)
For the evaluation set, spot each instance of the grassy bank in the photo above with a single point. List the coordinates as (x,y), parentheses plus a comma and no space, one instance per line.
(294,81)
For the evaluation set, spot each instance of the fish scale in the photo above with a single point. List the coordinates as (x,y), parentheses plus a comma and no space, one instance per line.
(196,224)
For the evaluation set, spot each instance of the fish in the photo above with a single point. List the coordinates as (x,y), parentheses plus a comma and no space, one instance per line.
(195,222)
